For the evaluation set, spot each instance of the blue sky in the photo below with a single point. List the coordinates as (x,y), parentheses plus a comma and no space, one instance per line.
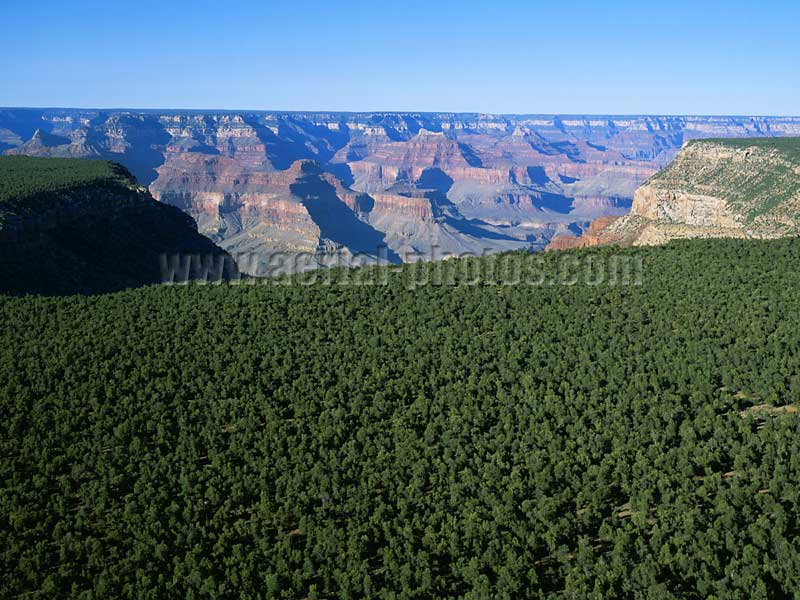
(677,57)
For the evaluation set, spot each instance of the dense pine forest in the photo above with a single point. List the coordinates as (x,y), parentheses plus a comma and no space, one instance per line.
(30,184)
(462,438)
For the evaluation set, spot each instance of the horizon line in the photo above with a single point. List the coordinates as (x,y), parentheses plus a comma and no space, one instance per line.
(398,112)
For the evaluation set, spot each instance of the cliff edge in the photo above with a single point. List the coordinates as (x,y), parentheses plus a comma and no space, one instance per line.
(84,226)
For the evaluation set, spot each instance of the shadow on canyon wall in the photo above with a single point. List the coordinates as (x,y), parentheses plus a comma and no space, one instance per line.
(146,138)
(469,155)
(336,221)
(475,228)
(142,164)
(538,176)
(556,203)
(433,178)
(444,208)
(342,171)
(297,140)
(281,149)
(597,147)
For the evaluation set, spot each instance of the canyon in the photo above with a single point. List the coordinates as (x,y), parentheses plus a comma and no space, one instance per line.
(329,189)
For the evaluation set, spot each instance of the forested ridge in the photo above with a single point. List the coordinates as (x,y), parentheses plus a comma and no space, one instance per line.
(29,185)
(397,441)
(788,146)
(71,226)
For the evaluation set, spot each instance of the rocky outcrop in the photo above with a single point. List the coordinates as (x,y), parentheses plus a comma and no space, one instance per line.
(744,188)
(596,235)
(675,206)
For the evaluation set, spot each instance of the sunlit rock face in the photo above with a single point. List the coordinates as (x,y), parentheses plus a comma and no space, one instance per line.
(401,186)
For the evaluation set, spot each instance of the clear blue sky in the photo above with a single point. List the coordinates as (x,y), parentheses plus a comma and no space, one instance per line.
(676,57)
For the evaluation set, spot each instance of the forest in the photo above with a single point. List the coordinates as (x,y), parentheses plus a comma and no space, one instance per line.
(786,146)
(464,438)
(29,183)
